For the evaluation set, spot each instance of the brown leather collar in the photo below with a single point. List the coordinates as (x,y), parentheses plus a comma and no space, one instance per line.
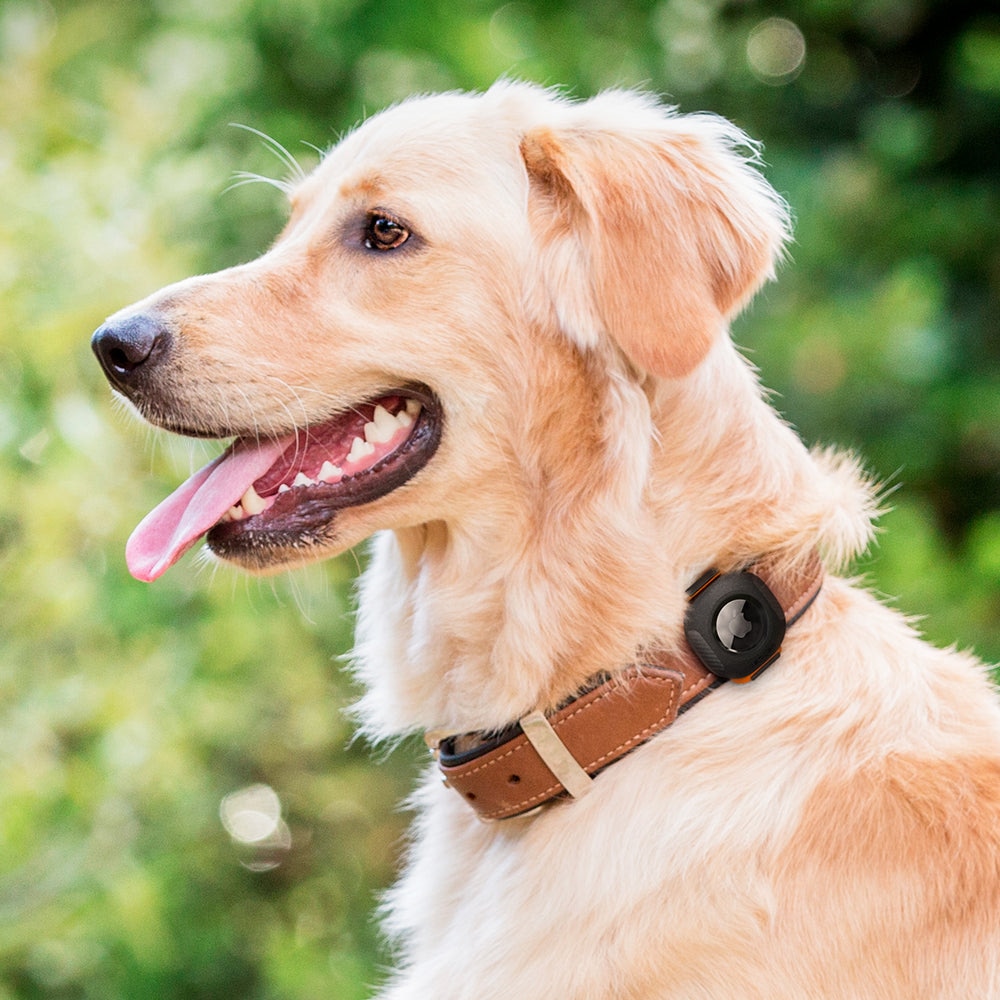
(540,758)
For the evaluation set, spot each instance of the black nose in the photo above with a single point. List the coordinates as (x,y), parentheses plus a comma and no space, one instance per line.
(126,347)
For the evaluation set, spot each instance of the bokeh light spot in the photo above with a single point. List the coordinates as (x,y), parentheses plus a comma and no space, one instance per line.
(251,814)
(776,51)
(252,817)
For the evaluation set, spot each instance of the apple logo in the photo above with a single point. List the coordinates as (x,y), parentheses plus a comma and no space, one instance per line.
(732,625)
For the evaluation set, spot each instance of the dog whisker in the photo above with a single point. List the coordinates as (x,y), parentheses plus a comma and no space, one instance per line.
(245,177)
(295,168)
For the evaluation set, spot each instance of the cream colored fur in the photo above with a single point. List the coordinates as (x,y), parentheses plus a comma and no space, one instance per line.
(829,830)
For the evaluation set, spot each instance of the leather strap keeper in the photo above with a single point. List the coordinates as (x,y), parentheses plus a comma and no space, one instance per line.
(505,775)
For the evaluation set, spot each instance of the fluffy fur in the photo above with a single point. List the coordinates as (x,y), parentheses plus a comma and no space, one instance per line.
(829,830)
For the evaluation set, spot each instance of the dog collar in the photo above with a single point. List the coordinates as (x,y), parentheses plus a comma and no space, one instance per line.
(733,631)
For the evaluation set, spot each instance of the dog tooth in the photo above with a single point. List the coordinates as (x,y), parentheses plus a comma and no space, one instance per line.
(379,433)
(235,513)
(360,449)
(330,473)
(382,427)
(301,479)
(413,407)
(252,502)
(284,488)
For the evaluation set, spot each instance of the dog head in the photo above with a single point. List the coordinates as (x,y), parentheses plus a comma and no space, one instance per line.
(424,341)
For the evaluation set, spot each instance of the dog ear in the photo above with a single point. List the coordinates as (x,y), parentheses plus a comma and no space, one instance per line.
(674,228)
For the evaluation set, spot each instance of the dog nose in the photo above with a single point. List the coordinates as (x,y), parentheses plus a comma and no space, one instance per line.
(125,346)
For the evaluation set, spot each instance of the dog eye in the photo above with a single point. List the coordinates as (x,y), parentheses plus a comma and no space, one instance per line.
(384,233)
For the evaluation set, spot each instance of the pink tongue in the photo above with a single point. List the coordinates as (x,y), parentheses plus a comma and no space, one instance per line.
(169,530)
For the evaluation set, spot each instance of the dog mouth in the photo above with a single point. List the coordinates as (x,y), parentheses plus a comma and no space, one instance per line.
(261,498)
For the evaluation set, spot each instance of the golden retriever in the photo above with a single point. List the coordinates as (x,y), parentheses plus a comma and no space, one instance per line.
(494,333)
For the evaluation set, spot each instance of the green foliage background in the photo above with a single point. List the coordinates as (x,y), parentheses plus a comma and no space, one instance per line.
(128,712)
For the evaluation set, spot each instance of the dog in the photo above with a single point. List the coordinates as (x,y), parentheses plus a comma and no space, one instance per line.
(683,755)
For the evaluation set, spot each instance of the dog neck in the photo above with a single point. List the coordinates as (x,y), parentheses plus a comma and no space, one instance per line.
(467,623)
(734,631)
